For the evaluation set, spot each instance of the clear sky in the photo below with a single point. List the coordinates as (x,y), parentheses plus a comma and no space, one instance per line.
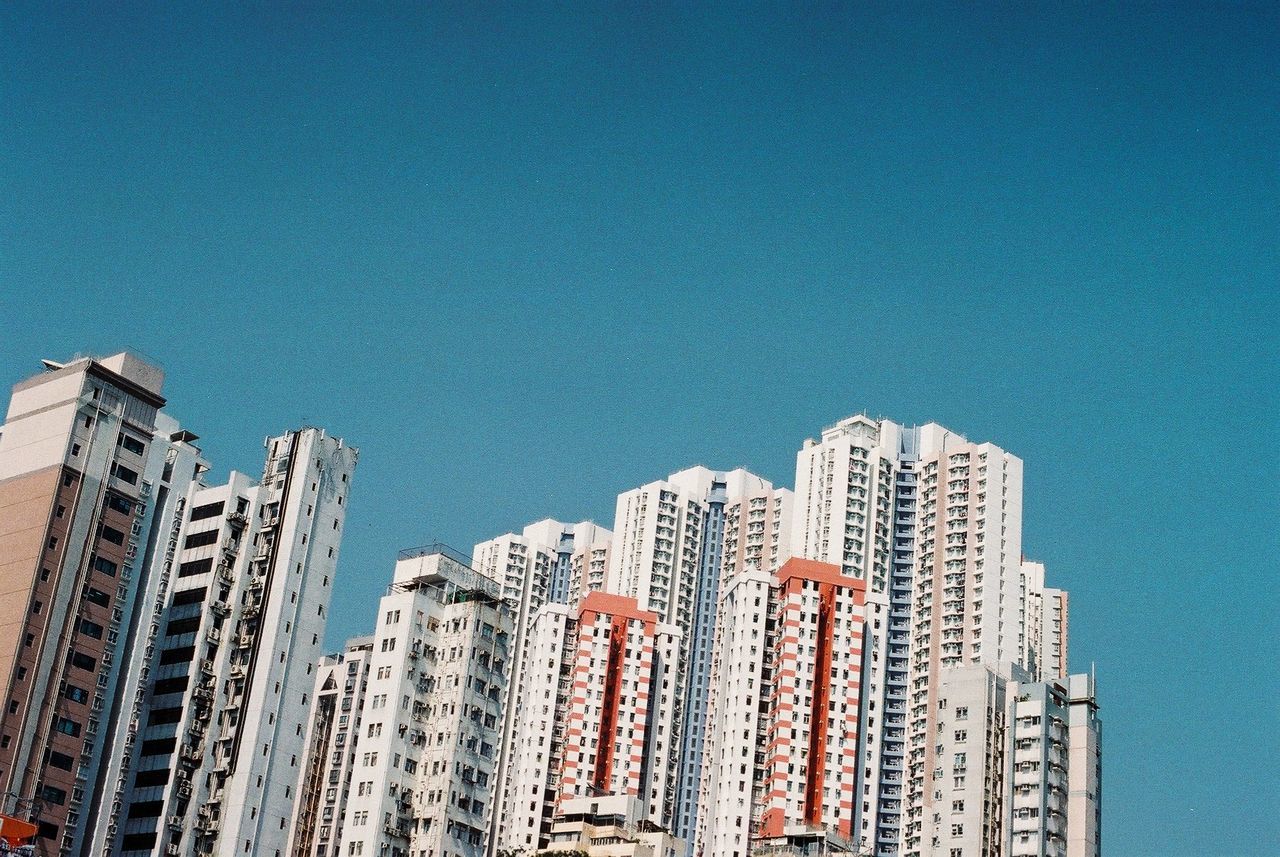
(526,259)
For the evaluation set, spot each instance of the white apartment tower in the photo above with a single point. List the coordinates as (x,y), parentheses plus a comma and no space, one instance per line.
(812,779)
(425,771)
(668,554)
(757,531)
(533,568)
(538,740)
(968,606)
(781,771)
(1054,769)
(967,783)
(1046,632)
(332,739)
(855,507)
(933,523)
(171,483)
(1084,768)
(732,783)
(216,763)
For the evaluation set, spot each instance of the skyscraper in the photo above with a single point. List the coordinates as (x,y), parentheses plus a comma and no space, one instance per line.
(668,554)
(431,726)
(332,739)
(620,720)
(933,523)
(782,770)
(90,475)
(1053,766)
(534,568)
(1046,625)
(216,763)
(856,507)
(536,750)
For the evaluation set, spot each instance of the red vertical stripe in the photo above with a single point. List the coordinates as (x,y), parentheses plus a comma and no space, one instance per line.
(814,773)
(609,707)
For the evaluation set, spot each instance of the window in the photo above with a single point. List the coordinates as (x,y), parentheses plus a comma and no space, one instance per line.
(178,655)
(67,727)
(159,746)
(91,629)
(150,779)
(124,474)
(182,626)
(123,505)
(132,444)
(190,596)
(146,809)
(198,566)
(111,534)
(962,712)
(53,794)
(105,566)
(165,715)
(209,510)
(199,540)
(97,596)
(83,661)
(76,694)
(61,761)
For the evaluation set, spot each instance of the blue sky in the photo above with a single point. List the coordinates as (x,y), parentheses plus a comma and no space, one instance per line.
(527,258)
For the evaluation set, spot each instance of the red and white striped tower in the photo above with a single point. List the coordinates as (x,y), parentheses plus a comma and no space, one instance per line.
(812,779)
(619,729)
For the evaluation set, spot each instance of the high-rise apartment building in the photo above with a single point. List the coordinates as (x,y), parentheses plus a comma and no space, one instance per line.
(90,475)
(537,746)
(1084,768)
(782,772)
(757,530)
(1053,802)
(668,554)
(620,721)
(1046,625)
(967,782)
(534,568)
(933,523)
(968,595)
(856,507)
(332,739)
(181,469)
(812,776)
(732,777)
(425,770)
(216,761)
